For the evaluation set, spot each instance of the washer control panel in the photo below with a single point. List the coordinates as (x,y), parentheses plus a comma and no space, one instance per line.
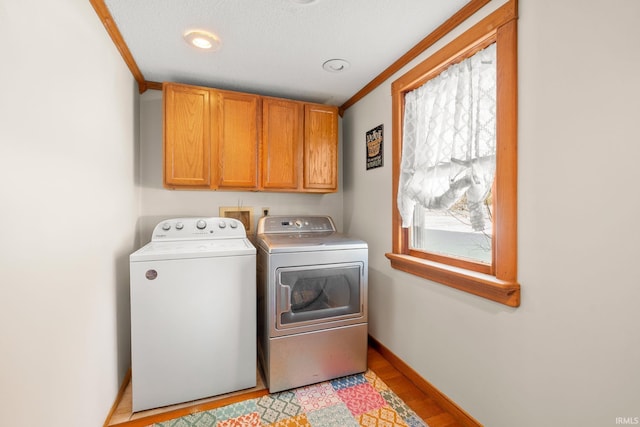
(199,228)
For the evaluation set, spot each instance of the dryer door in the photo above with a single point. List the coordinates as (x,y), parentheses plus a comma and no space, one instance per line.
(318,294)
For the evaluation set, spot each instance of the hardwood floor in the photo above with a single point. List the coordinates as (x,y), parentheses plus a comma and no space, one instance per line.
(424,405)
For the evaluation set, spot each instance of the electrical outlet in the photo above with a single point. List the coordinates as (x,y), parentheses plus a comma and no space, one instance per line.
(265,211)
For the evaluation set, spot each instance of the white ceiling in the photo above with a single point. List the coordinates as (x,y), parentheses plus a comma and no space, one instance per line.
(276,47)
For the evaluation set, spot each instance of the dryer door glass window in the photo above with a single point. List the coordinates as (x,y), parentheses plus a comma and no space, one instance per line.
(312,295)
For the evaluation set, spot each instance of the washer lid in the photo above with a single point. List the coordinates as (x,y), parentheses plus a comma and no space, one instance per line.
(167,250)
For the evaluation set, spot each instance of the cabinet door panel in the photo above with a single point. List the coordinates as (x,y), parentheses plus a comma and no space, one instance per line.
(187,138)
(282,136)
(321,147)
(236,139)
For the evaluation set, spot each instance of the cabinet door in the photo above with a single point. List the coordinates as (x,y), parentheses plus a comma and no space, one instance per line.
(282,136)
(320,148)
(187,138)
(235,139)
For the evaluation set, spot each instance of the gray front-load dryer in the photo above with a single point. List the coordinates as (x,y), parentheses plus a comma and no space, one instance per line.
(312,301)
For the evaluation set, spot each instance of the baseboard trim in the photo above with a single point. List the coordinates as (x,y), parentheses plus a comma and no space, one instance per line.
(123,387)
(440,398)
(179,410)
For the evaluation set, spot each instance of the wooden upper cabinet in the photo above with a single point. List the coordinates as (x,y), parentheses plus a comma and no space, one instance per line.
(320,148)
(235,139)
(299,146)
(186,139)
(282,136)
(220,139)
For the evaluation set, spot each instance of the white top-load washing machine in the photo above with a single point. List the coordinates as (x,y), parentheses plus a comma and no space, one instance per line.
(193,312)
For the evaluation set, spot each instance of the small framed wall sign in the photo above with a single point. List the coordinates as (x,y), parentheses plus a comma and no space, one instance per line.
(375,147)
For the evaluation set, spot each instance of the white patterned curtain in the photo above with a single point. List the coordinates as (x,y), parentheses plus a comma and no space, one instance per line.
(449,143)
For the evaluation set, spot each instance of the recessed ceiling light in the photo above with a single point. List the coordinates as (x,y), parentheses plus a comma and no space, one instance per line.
(336,65)
(202,40)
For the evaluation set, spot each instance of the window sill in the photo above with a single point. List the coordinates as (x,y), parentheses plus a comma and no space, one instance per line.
(483,285)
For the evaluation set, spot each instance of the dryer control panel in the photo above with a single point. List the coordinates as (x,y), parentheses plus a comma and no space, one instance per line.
(198,228)
(289,224)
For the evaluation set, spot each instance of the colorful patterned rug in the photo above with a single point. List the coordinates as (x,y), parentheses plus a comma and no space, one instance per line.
(356,400)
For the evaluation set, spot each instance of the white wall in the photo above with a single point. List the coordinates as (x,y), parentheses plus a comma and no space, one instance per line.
(68,205)
(568,356)
(159,203)
(71,194)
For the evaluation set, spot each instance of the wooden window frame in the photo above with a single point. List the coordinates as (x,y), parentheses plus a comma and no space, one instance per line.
(497,282)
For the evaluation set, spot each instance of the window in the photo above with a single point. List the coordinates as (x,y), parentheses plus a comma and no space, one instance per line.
(448,160)
(455,217)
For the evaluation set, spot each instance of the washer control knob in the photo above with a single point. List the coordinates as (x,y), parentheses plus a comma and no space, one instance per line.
(201,224)
(166,226)
(234,225)
(179,226)
(298,223)
(222,224)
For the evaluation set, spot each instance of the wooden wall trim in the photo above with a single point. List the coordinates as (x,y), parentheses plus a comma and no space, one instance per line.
(111,27)
(148,420)
(460,16)
(182,412)
(440,398)
(153,85)
(123,388)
